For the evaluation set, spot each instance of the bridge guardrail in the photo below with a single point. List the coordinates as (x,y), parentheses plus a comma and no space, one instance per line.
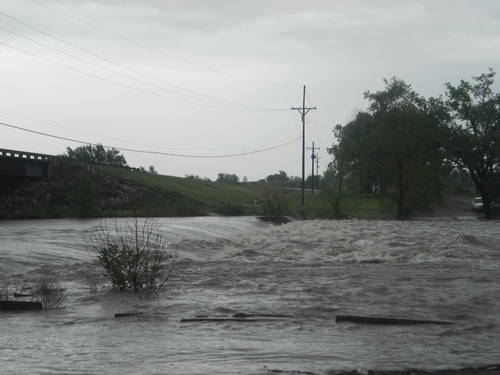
(23,155)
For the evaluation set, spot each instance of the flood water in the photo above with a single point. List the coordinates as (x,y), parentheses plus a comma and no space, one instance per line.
(313,270)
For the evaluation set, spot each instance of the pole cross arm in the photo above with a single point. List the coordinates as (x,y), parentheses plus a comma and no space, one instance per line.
(303,112)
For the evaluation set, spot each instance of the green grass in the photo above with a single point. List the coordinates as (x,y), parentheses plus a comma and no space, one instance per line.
(367,206)
(213,195)
(159,195)
(355,205)
(235,199)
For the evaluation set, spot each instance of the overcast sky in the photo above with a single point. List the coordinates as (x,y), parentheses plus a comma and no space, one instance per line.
(200,77)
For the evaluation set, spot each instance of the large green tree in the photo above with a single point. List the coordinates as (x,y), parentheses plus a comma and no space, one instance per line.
(97,154)
(404,144)
(352,156)
(347,155)
(472,130)
(395,147)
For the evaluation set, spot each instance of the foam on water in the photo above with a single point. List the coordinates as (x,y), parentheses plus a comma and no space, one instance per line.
(355,241)
(33,243)
(310,271)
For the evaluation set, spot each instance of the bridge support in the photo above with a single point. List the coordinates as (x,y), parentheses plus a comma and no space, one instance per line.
(24,164)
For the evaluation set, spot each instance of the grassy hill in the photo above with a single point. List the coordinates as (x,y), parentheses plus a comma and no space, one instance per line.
(211,193)
(256,198)
(84,190)
(211,197)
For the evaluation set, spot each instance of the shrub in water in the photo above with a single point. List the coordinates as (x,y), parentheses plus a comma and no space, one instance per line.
(133,253)
(49,292)
(4,290)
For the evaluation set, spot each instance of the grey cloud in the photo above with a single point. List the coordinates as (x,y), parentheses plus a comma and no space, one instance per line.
(257,52)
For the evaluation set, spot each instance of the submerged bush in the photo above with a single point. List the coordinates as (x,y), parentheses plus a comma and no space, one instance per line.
(45,289)
(4,290)
(133,253)
(49,292)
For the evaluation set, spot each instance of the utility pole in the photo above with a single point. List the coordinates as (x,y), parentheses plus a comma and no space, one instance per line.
(317,166)
(303,112)
(313,158)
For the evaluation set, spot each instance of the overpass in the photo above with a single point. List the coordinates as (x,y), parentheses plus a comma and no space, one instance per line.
(23,164)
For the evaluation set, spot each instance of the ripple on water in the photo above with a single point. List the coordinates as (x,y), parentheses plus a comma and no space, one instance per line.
(309,271)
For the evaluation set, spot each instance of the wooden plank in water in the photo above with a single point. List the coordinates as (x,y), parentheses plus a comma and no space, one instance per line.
(20,305)
(125,314)
(385,320)
(225,319)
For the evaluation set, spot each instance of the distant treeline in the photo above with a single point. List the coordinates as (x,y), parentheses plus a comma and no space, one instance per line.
(277,179)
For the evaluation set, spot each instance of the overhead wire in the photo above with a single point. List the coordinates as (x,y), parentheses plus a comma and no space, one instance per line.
(57,126)
(112,81)
(216,105)
(208,100)
(316,124)
(61,40)
(82,60)
(315,116)
(149,151)
(192,94)
(101,29)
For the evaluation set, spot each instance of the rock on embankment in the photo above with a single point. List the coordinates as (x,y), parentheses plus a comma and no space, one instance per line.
(83,190)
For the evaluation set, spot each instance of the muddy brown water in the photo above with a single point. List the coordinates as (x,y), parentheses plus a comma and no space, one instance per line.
(443,269)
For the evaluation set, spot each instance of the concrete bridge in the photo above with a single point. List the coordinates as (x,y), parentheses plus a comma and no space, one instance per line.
(22,164)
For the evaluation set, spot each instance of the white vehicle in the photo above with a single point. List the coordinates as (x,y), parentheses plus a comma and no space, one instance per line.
(477,204)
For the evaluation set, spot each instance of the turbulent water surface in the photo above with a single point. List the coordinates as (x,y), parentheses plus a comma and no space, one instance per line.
(310,271)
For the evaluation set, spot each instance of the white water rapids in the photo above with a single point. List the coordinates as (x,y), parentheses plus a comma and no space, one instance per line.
(310,270)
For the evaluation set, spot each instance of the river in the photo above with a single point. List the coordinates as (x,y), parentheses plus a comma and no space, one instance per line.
(309,270)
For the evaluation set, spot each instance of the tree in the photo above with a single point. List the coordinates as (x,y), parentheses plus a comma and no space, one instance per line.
(472,129)
(309,181)
(342,163)
(395,147)
(352,154)
(97,154)
(404,144)
(278,178)
(294,181)
(227,178)
(152,170)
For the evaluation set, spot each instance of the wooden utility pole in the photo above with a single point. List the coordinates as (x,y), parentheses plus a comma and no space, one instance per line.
(313,158)
(303,112)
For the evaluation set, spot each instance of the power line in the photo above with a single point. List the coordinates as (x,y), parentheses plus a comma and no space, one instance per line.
(83,49)
(194,95)
(315,117)
(114,82)
(70,129)
(147,151)
(84,60)
(103,29)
